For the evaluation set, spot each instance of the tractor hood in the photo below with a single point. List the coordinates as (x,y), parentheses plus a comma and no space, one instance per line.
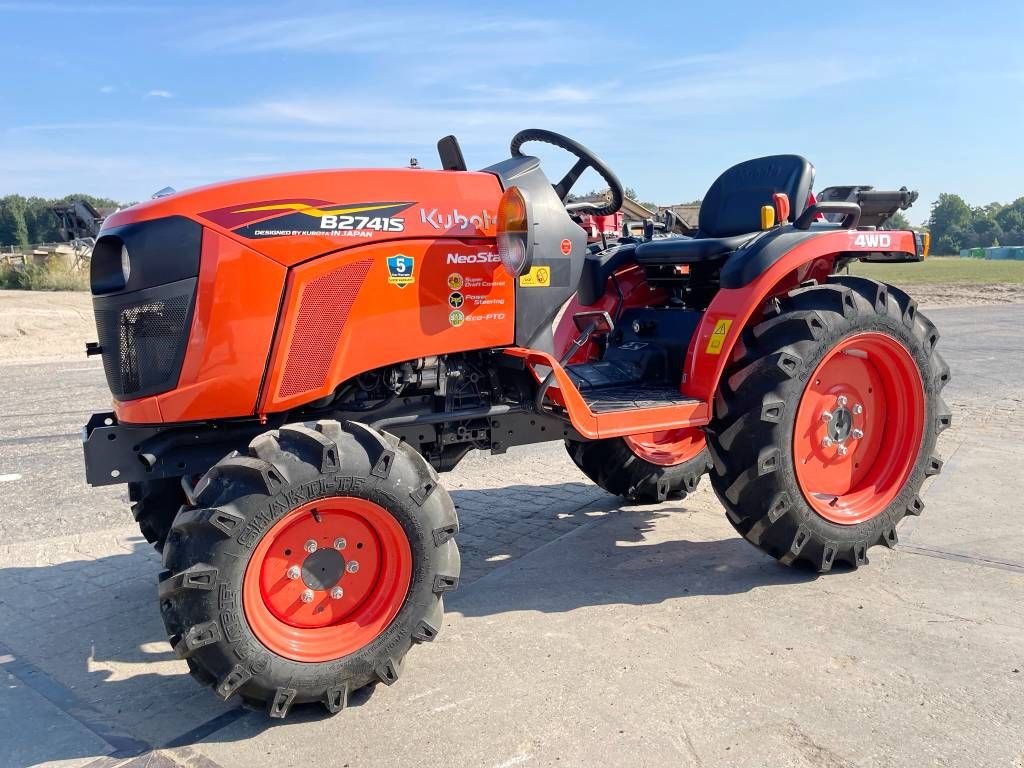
(293,217)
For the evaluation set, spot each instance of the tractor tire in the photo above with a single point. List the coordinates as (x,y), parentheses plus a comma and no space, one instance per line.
(825,422)
(644,471)
(154,505)
(309,566)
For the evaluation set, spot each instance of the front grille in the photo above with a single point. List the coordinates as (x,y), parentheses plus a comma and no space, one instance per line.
(143,335)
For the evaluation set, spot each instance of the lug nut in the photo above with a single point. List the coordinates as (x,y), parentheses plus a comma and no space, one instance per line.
(842,401)
(858,409)
(842,450)
(826,416)
(337,593)
(340,543)
(310,546)
(353,566)
(857,434)
(826,442)
(294,572)
(307,596)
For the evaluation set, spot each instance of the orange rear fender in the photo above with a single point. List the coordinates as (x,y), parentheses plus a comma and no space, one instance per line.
(733,309)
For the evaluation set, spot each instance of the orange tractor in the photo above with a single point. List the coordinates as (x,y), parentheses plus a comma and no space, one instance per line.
(294,358)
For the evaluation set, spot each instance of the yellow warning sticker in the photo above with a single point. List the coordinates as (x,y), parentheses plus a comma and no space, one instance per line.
(717,340)
(537,277)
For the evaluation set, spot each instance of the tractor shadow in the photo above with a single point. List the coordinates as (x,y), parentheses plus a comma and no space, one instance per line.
(626,558)
(86,634)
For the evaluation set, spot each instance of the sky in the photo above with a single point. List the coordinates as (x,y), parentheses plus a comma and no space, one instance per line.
(120,99)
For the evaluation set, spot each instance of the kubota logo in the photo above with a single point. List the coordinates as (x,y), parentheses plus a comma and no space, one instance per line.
(455,220)
(873,240)
(483,257)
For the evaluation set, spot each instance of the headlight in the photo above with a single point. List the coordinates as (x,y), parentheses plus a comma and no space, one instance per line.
(515,231)
(126,264)
(110,265)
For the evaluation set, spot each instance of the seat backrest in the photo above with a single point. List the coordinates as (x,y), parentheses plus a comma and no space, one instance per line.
(733,204)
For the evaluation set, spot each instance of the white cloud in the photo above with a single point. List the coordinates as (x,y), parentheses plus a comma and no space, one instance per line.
(159,93)
(107,89)
(555,94)
(351,31)
(366,122)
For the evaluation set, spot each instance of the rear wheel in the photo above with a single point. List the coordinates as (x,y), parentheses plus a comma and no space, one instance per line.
(644,469)
(826,420)
(310,566)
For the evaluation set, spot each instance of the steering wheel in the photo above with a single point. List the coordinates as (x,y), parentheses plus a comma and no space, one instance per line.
(586,159)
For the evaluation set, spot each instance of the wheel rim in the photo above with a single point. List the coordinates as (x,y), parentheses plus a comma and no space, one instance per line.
(327,579)
(668,447)
(859,428)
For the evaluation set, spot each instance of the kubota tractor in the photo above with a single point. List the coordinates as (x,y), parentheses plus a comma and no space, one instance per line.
(294,358)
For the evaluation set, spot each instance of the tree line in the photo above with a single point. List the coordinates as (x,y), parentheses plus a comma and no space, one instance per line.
(955,225)
(28,220)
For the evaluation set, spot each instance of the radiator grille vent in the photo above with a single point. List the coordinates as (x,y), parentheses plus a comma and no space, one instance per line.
(323,312)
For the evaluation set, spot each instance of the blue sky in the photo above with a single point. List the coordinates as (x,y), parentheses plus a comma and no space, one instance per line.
(120,99)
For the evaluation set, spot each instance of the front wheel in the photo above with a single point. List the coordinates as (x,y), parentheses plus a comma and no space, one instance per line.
(309,566)
(826,420)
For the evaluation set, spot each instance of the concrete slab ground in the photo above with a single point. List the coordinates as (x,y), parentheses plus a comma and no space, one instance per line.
(584,633)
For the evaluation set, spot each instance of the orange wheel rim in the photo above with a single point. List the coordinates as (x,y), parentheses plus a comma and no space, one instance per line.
(859,428)
(327,579)
(668,447)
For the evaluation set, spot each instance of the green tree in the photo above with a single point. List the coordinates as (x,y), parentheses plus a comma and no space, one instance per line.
(950,243)
(984,231)
(13,230)
(1011,221)
(950,218)
(42,223)
(897,221)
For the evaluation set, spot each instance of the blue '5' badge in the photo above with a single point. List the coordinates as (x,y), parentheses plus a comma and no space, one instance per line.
(400,270)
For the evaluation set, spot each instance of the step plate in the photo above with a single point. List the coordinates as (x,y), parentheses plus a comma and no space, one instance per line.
(631,398)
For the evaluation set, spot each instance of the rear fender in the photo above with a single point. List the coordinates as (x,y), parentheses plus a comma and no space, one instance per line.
(758,276)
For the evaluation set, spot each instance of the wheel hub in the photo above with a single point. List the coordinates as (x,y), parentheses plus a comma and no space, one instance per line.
(841,425)
(323,569)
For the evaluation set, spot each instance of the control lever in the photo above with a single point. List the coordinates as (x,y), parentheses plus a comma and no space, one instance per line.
(600,322)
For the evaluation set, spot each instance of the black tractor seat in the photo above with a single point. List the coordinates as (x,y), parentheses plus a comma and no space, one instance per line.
(730,214)
(681,250)
(729,219)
